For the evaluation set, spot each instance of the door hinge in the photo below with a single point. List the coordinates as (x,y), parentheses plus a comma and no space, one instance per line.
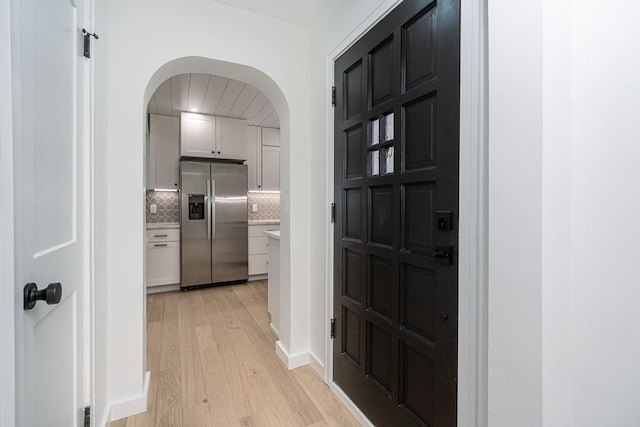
(333,96)
(333,328)
(87,416)
(87,42)
(333,213)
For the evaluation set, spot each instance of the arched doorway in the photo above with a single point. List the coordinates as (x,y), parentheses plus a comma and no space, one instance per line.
(271,90)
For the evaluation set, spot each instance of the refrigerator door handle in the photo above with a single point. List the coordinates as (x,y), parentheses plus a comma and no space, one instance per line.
(213,209)
(209,210)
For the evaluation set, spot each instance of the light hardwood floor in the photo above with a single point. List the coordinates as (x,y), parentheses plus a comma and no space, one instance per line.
(212,362)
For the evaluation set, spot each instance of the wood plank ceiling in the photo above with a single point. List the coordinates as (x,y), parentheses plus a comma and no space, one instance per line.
(213,95)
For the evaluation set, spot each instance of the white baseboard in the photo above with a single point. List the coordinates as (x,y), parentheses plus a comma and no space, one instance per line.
(134,406)
(274,330)
(105,418)
(316,365)
(350,405)
(162,288)
(257,277)
(291,361)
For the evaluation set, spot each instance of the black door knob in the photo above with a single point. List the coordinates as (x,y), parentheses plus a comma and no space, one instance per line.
(51,294)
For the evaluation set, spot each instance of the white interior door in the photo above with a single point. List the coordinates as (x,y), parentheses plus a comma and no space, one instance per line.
(52,209)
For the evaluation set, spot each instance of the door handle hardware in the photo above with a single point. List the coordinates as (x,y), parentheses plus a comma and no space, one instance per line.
(444,253)
(51,294)
(213,209)
(209,210)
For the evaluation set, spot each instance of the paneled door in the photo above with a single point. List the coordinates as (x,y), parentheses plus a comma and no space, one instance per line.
(396,194)
(52,210)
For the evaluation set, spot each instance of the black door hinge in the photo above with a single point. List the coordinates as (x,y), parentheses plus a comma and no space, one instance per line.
(87,42)
(333,96)
(87,416)
(333,213)
(333,328)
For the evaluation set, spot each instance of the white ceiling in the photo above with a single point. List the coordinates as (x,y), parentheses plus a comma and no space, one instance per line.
(213,95)
(301,12)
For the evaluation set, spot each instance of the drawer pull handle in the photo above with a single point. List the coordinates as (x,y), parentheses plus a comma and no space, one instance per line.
(163,244)
(160,235)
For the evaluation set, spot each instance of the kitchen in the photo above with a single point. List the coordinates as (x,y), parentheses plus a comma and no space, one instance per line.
(217,126)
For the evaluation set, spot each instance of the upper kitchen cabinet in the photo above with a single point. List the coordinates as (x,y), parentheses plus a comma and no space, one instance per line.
(213,137)
(164,152)
(263,158)
(270,167)
(254,158)
(271,137)
(270,159)
(197,137)
(231,138)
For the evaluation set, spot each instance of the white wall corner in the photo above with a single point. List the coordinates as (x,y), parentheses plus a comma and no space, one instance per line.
(135,405)
(316,364)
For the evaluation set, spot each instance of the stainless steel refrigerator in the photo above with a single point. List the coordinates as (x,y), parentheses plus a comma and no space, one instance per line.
(213,222)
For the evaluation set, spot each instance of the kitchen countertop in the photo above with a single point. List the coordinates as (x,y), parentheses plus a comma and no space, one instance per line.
(264,221)
(158,225)
(273,234)
(155,225)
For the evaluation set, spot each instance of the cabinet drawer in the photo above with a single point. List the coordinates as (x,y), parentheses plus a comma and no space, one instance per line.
(257,245)
(257,264)
(163,235)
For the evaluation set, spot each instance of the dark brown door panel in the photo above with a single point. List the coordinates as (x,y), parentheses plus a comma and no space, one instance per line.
(395,237)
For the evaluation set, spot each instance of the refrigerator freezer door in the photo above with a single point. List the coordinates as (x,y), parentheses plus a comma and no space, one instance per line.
(195,255)
(229,213)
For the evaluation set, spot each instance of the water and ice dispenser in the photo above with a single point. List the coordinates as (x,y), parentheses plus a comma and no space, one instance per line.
(196,206)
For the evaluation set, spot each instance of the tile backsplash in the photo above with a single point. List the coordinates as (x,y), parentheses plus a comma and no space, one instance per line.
(166,204)
(268,205)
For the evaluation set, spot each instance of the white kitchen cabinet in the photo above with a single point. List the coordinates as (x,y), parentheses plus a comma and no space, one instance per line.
(197,135)
(263,158)
(163,257)
(271,136)
(258,248)
(164,152)
(213,137)
(254,158)
(273,282)
(231,138)
(270,167)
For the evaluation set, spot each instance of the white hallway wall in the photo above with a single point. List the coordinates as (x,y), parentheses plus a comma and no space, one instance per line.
(564,220)
(141,37)
(605,213)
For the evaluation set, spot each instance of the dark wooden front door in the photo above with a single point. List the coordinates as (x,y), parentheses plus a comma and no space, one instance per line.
(396,238)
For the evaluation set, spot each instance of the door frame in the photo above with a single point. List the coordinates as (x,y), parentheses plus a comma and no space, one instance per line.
(473,221)
(7,296)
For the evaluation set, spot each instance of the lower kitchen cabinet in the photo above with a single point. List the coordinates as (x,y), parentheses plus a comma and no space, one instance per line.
(163,257)
(273,285)
(258,262)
